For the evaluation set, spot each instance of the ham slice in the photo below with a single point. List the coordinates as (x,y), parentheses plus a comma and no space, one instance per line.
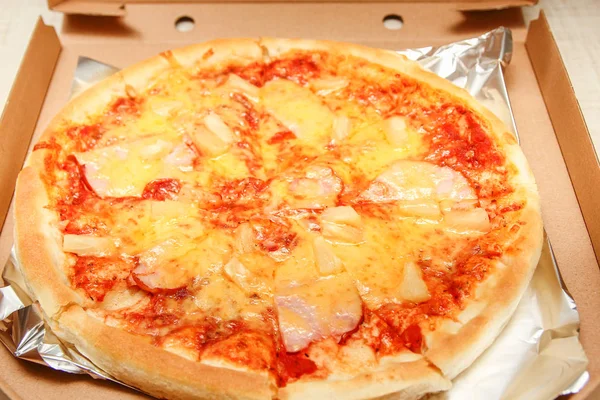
(318,188)
(418,180)
(327,307)
(126,168)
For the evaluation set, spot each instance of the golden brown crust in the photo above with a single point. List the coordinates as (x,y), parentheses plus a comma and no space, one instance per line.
(134,360)
(38,241)
(406,381)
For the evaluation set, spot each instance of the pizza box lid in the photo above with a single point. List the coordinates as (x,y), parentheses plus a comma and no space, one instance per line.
(554,135)
(119,7)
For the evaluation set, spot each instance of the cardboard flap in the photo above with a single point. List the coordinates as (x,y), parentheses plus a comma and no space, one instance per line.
(347,22)
(117,7)
(573,136)
(23,106)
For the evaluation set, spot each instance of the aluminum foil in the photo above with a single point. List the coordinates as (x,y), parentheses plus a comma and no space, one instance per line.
(537,356)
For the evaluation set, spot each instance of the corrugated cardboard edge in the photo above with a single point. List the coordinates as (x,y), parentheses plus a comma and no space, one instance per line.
(23,107)
(572,133)
(577,150)
(117,8)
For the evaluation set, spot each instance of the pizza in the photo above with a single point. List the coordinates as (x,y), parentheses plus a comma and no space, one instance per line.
(278,218)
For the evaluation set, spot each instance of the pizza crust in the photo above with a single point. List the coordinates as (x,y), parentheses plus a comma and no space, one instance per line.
(38,242)
(401,381)
(453,353)
(135,361)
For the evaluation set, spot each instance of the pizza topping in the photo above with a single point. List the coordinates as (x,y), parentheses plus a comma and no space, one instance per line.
(416,180)
(465,221)
(341,128)
(244,238)
(413,288)
(162,189)
(327,262)
(325,86)
(88,245)
(129,298)
(275,238)
(396,130)
(85,136)
(216,125)
(165,108)
(181,157)
(319,188)
(342,225)
(98,275)
(158,269)
(281,137)
(244,87)
(125,169)
(298,69)
(258,229)
(423,208)
(298,109)
(213,137)
(294,365)
(458,138)
(243,277)
(327,307)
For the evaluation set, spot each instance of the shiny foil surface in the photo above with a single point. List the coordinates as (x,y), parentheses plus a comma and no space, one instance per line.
(537,356)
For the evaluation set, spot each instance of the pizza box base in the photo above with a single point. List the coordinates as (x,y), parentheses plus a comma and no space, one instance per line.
(552,129)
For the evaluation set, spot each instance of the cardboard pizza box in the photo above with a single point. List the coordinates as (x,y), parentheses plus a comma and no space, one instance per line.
(121,32)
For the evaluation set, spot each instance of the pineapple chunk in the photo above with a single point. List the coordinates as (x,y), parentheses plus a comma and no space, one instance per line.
(396,131)
(467,221)
(88,245)
(323,87)
(342,225)
(244,87)
(327,262)
(413,287)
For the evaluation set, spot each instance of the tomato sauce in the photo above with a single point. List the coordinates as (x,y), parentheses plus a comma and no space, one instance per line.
(52,145)
(85,137)
(281,136)
(455,137)
(242,190)
(293,365)
(162,189)
(96,276)
(298,69)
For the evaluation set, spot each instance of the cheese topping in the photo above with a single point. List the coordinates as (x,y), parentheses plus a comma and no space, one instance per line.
(298,109)
(285,203)
(329,306)
(125,169)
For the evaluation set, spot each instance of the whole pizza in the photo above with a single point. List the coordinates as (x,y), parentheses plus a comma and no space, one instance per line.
(271,218)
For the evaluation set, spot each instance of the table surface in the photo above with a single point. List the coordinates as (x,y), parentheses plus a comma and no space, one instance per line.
(575,24)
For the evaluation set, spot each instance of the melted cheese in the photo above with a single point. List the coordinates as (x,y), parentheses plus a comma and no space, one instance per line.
(125,169)
(338,257)
(313,310)
(298,109)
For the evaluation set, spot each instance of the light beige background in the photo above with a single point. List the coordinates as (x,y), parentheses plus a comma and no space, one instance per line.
(575,24)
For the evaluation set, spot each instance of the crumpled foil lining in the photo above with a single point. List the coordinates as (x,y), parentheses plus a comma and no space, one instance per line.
(538,354)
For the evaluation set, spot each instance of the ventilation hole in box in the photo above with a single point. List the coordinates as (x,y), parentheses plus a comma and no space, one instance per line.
(393,22)
(184,24)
